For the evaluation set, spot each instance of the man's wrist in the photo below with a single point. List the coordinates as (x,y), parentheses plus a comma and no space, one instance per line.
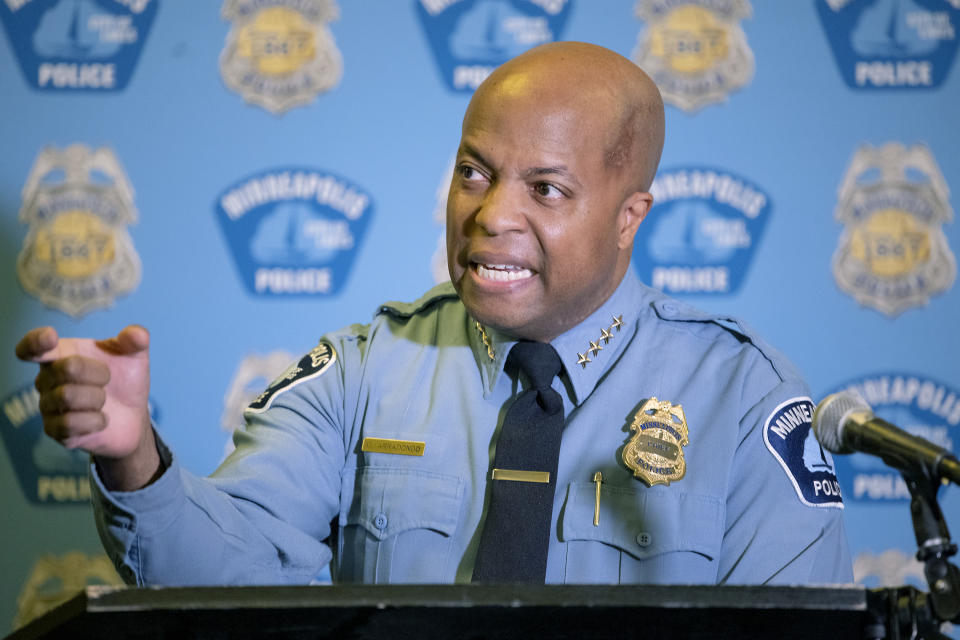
(140,469)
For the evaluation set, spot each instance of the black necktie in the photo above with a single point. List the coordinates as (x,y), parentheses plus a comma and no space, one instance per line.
(516,534)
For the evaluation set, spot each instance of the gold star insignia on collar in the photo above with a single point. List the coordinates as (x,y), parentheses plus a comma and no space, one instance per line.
(606,335)
(486,340)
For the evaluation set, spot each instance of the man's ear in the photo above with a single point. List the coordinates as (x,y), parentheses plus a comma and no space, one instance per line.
(632,212)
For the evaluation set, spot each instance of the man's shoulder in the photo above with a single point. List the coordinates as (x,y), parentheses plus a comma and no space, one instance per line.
(713,328)
(430,302)
(435,315)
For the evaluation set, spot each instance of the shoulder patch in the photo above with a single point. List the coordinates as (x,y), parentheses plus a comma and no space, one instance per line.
(444,291)
(790,438)
(309,366)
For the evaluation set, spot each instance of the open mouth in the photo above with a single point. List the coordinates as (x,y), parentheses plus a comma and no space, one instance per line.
(502,272)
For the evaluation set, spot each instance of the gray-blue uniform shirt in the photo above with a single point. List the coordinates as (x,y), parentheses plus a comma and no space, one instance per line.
(758,502)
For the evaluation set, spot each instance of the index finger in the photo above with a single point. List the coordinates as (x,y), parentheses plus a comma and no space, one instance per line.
(38,345)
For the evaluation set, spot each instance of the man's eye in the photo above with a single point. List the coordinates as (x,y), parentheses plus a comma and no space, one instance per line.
(547,190)
(469,173)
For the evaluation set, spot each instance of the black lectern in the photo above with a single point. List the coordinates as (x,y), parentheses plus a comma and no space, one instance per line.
(462,611)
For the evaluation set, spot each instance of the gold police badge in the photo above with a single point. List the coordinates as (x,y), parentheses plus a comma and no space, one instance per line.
(893,253)
(694,50)
(55,579)
(78,255)
(655,452)
(280,53)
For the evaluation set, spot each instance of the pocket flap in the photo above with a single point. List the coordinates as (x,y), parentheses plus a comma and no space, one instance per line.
(644,522)
(388,501)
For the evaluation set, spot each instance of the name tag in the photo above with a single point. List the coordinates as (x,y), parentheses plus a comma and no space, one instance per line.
(517,475)
(390,445)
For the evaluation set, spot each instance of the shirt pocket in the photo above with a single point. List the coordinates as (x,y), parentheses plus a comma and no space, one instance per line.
(396,525)
(658,535)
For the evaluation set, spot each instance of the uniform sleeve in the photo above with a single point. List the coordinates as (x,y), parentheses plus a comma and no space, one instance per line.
(263,517)
(784,520)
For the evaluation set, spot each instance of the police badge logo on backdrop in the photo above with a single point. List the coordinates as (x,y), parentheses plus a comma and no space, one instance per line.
(294,231)
(893,253)
(280,54)
(438,261)
(77,45)
(704,231)
(891,567)
(77,255)
(55,579)
(48,473)
(694,50)
(920,405)
(252,376)
(892,44)
(470,38)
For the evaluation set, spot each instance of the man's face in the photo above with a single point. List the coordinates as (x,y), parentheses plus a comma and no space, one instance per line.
(534,217)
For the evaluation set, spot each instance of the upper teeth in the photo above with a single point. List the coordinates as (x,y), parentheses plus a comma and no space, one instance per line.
(502,272)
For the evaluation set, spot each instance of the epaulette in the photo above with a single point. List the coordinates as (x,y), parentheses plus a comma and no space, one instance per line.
(674,311)
(437,294)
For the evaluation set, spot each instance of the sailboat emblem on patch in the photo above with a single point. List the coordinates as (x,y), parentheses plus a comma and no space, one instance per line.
(280,54)
(655,452)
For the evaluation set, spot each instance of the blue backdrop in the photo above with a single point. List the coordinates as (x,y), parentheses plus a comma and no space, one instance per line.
(241,177)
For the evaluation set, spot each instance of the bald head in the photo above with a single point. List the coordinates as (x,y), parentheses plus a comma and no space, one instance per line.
(601,87)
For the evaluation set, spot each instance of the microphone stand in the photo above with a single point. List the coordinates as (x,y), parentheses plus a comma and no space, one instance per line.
(911,613)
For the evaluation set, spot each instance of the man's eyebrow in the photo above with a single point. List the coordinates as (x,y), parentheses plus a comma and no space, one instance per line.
(533,172)
(467,149)
(557,170)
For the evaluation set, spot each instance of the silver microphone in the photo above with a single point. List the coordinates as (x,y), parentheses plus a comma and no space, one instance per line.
(844,423)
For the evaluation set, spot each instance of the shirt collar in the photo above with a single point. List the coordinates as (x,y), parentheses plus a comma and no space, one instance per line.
(587,350)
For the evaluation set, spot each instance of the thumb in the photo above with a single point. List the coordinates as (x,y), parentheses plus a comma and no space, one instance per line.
(39,345)
(131,340)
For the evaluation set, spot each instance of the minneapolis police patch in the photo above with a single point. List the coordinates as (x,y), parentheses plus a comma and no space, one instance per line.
(308,367)
(470,38)
(706,227)
(924,406)
(77,45)
(294,231)
(884,45)
(48,474)
(789,437)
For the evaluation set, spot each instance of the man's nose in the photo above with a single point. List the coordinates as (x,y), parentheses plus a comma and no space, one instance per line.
(502,209)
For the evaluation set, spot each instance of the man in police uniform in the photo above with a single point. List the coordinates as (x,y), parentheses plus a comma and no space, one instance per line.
(375,449)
